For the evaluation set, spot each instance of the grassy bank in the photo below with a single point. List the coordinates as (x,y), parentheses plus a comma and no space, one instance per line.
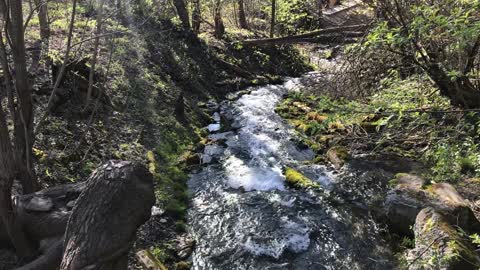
(406,117)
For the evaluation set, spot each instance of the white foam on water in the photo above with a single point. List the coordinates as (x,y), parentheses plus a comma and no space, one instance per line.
(277,199)
(240,175)
(294,237)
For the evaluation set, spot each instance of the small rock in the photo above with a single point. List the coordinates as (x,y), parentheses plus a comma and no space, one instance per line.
(216,117)
(408,181)
(185,247)
(337,155)
(156,211)
(214,127)
(162,220)
(448,194)
(296,179)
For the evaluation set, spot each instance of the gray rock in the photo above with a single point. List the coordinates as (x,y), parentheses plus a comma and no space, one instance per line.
(409,197)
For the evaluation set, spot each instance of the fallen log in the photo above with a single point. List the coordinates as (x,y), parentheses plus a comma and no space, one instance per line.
(305,37)
(90,224)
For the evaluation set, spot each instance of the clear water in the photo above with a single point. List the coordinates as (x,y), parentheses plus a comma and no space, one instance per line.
(244,216)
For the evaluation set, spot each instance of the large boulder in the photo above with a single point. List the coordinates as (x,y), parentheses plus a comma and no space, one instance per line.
(438,245)
(411,194)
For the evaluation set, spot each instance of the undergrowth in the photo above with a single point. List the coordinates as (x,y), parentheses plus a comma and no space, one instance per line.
(406,117)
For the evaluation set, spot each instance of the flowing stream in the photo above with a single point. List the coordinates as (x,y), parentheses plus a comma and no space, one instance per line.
(244,216)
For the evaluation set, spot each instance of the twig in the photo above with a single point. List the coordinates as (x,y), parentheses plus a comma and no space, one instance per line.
(424,251)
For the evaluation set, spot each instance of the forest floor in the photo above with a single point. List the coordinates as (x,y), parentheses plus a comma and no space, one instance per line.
(153,71)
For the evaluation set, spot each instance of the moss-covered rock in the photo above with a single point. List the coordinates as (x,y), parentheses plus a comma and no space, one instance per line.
(407,181)
(410,195)
(447,194)
(337,155)
(296,179)
(438,245)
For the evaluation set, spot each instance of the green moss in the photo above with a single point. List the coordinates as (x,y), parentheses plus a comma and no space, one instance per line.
(296,179)
(152,164)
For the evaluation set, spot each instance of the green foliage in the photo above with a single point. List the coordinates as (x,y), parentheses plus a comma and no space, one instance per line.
(401,118)
(295,15)
(475,239)
(438,37)
(160,253)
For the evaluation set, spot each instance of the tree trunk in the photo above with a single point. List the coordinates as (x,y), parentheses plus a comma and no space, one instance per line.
(96,219)
(59,78)
(346,31)
(121,191)
(182,13)
(23,141)
(43,19)
(196,17)
(241,15)
(219,26)
(93,62)
(274,15)
(8,216)
(460,91)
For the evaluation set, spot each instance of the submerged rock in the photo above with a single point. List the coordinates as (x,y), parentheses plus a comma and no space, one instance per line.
(438,245)
(296,179)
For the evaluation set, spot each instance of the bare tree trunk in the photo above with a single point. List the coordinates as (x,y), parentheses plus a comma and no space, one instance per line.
(14,230)
(59,78)
(23,140)
(219,26)
(93,62)
(43,19)
(196,16)
(241,15)
(274,15)
(182,13)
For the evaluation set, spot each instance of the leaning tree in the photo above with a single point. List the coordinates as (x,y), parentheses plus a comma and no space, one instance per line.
(440,36)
